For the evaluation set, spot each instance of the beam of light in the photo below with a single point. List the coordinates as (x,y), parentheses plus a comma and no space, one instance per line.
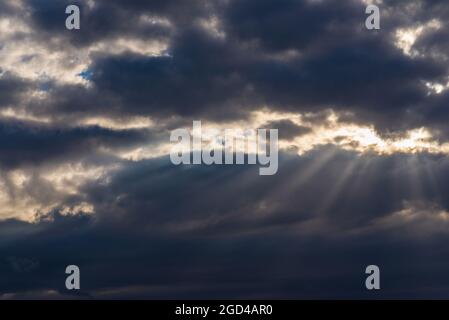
(339,185)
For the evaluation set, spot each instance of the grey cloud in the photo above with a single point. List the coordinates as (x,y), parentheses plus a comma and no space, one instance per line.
(161,231)
(288,130)
(341,67)
(152,237)
(24,143)
(11,89)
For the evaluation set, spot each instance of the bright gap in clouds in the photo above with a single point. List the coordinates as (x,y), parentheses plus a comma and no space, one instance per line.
(406,37)
(67,179)
(330,131)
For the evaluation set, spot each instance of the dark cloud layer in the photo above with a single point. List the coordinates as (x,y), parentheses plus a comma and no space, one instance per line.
(157,238)
(23,144)
(162,231)
(107,20)
(209,76)
(11,88)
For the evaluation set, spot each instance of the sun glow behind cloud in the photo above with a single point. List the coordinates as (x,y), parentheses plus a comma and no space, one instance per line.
(21,198)
(331,131)
(406,37)
(66,179)
(62,61)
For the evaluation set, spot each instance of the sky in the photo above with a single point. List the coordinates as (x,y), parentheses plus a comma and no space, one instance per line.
(86,177)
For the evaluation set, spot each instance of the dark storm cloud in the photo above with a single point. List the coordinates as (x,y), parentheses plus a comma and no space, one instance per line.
(351,190)
(434,115)
(289,24)
(72,102)
(201,78)
(116,19)
(11,88)
(339,64)
(47,16)
(288,130)
(153,236)
(204,77)
(164,231)
(24,143)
